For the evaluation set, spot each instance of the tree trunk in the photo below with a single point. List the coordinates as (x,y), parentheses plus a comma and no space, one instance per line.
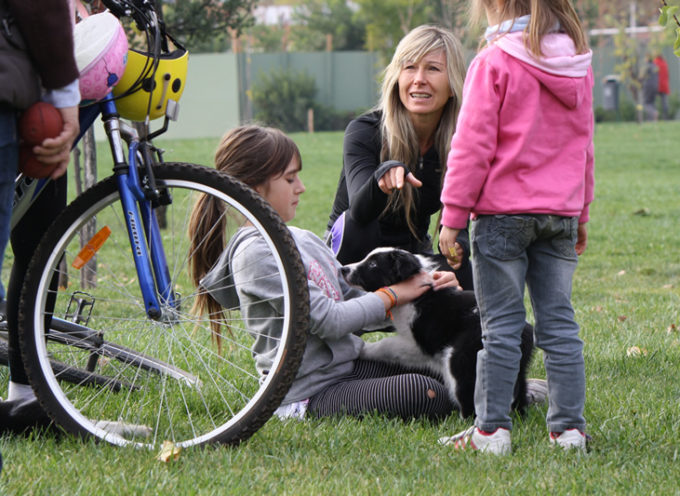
(88,275)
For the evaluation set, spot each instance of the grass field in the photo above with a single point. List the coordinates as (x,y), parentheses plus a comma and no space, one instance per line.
(626,296)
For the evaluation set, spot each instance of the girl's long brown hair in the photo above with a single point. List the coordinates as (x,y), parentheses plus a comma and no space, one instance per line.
(253,155)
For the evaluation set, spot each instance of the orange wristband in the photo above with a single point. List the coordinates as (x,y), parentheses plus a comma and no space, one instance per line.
(392,296)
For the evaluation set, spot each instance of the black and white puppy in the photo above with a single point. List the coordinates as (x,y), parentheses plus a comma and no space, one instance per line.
(441,330)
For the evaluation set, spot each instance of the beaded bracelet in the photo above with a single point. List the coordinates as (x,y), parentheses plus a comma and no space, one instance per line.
(392,296)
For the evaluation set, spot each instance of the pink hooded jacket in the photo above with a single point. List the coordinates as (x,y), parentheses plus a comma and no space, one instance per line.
(524,138)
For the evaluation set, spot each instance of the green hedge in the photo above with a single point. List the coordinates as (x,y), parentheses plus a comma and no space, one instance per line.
(283,97)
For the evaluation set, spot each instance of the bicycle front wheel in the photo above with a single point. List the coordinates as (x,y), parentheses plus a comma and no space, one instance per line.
(167,379)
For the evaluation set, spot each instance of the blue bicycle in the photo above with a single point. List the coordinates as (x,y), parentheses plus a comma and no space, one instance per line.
(109,337)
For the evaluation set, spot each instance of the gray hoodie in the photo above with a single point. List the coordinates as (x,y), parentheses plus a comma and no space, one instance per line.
(243,278)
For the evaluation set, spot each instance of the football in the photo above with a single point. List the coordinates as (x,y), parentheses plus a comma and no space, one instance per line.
(40,121)
(30,166)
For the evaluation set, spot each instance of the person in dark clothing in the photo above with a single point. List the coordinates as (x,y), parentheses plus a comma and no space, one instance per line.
(394,155)
(46,28)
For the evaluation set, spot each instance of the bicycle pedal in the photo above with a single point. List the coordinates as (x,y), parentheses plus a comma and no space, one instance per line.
(79,308)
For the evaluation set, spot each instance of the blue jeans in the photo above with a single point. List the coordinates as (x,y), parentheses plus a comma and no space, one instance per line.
(507,252)
(9,159)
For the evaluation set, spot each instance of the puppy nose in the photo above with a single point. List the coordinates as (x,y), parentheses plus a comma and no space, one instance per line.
(344,271)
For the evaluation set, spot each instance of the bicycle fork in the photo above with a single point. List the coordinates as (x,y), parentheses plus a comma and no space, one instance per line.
(142,223)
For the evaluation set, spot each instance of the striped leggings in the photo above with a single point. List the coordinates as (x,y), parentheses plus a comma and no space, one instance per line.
(387,389)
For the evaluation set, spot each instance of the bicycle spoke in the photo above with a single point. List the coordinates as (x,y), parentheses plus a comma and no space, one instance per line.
(172,381)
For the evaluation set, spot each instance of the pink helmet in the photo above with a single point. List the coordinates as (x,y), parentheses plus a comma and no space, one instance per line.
(101,53)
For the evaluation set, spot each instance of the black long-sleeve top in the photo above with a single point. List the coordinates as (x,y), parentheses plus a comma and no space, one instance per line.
(359,194)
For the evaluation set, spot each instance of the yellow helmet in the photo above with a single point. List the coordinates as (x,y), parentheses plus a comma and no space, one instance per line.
(140,84)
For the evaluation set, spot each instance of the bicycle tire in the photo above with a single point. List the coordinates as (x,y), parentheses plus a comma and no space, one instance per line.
(229,401)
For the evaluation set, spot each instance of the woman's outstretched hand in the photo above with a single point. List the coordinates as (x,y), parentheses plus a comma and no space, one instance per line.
(395,179)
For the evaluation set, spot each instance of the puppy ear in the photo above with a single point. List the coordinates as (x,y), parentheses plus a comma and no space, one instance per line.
(405,264)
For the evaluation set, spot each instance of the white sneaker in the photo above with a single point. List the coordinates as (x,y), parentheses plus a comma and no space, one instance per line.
(569,439)
(295,410)
(497,442)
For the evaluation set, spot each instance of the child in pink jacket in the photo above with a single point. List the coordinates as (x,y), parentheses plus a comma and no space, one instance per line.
(521,168)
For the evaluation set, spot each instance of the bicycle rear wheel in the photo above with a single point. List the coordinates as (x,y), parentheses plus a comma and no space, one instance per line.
(176,386)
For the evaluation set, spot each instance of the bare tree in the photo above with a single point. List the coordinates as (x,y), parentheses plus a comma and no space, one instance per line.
(196,21)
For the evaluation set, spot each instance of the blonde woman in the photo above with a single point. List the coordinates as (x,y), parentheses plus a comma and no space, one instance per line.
(394,155)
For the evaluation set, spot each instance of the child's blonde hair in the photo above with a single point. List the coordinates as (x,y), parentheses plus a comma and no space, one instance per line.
(544,15)
(253,155)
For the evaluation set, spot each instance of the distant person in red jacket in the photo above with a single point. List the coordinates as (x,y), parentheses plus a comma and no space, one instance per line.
(664,85)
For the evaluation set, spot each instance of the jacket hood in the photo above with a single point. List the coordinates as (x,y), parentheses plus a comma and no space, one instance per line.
(561,70)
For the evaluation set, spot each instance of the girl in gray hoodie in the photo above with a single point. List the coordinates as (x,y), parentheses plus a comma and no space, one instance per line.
(332,379)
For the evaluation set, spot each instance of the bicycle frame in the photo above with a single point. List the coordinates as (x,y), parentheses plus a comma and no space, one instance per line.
(102,363)
(136,197)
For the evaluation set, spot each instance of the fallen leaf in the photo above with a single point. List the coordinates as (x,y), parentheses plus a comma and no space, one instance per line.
(621,273)
(622,318)
(169,452)
(671,329)
(636,351)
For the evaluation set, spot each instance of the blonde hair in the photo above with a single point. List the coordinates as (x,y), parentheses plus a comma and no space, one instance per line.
(544,15)
(253,155)
(398,134)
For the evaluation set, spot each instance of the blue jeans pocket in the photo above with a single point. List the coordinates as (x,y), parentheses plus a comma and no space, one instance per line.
(504,237)
(564,242)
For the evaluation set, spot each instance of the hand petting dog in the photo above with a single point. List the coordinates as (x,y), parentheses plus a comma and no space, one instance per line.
(444,279)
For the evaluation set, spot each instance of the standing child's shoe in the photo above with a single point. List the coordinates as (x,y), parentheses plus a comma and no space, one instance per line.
(569,439)
(496,442)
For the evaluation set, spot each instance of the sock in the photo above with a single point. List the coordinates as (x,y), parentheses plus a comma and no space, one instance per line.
(22,393)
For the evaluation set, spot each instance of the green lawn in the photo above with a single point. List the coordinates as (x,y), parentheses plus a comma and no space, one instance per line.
(626,294)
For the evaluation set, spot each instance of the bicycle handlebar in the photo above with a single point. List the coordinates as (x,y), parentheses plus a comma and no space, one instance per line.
(139,10)
(117,8)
